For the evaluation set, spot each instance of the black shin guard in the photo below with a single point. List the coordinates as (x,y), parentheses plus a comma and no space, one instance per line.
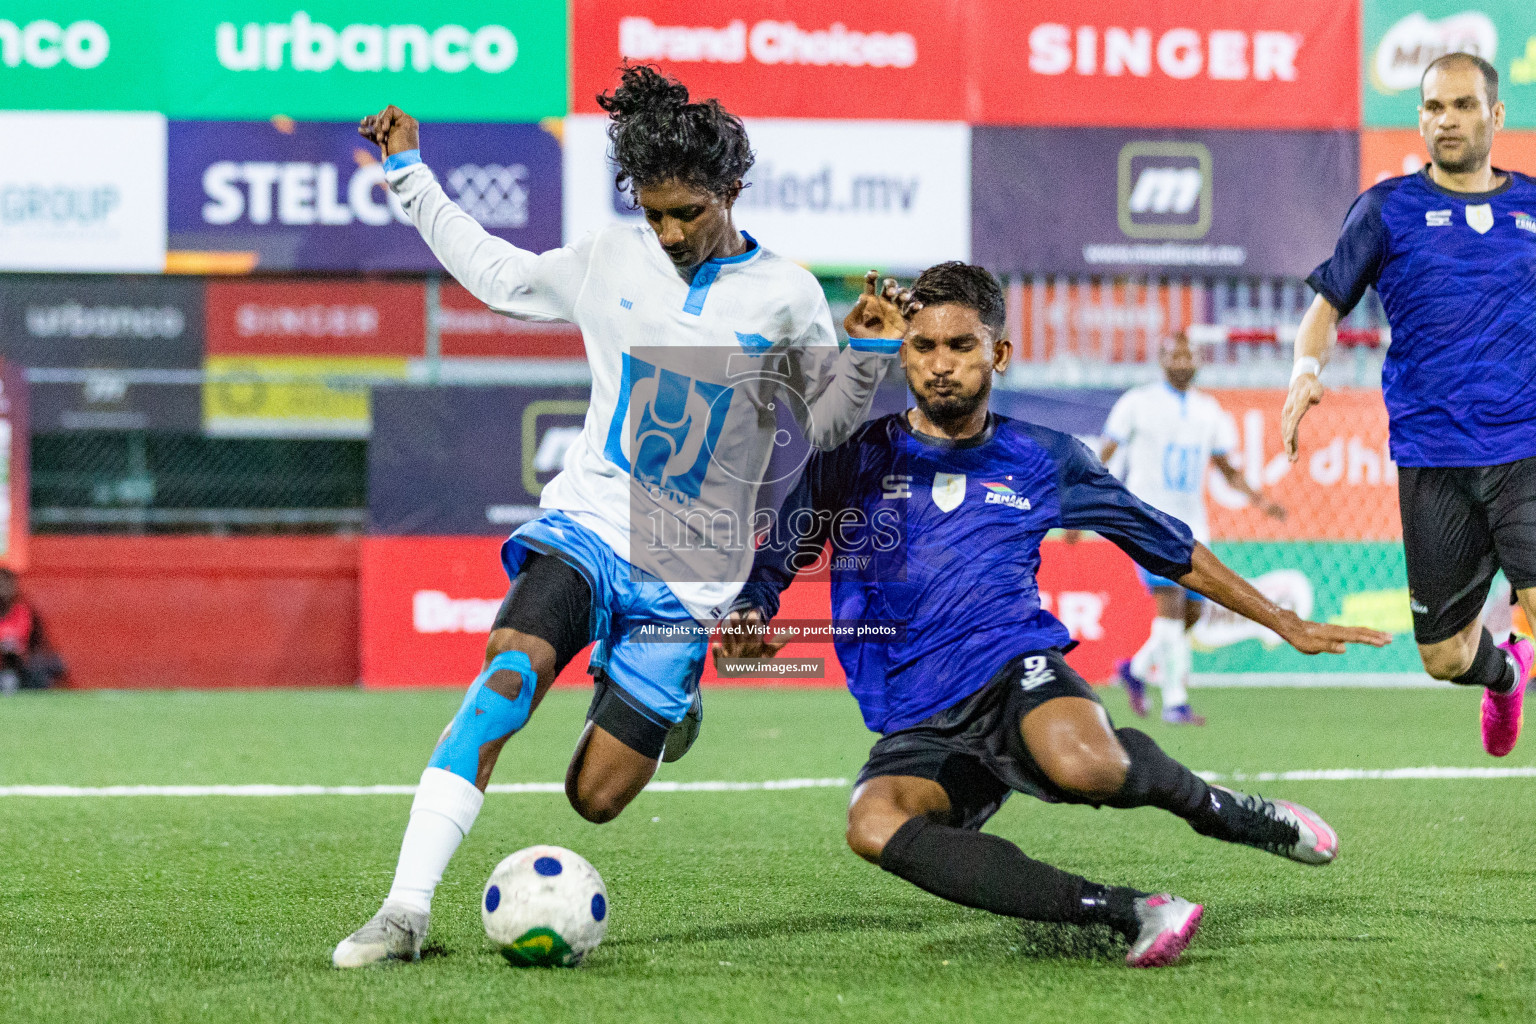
(980,870)
(1156,780)
(1491,667)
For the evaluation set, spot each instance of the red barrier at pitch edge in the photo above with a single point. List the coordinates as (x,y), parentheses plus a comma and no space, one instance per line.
(199,612)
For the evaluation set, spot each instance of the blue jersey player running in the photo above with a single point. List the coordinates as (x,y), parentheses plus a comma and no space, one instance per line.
(1452,252)
(935,518)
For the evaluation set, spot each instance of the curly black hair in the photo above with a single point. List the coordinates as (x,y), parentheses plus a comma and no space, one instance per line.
(963,285)
(658,135)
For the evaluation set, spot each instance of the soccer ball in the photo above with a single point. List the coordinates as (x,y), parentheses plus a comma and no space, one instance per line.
(545,907)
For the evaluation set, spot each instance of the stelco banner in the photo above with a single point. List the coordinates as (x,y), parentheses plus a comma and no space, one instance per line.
(450,59)
(1106,201)
(99,349)
(466,460)
(829,194)
(81,191)
(298,358)
(311,196)
(1402,37)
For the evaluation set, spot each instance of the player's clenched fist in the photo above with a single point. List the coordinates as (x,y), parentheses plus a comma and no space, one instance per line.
(392,130)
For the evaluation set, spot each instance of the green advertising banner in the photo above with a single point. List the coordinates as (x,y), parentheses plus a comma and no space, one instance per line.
(1356,584)
(304,59)
(1401,37)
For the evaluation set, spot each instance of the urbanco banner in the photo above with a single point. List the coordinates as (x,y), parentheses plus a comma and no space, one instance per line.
(82,55)
(1113,201)
(771,58)
(828,194)
(1215,64)
(1402,37)
(311,195)
(82,192)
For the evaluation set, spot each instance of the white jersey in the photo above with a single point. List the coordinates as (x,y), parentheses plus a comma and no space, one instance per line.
(1168,438)
(686,378)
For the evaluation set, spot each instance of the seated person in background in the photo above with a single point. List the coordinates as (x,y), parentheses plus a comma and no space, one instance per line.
(27,661)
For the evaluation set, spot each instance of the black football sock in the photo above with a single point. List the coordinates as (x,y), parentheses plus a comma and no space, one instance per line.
(1491,667)
(1112,905)
(1156,780)
(982,871)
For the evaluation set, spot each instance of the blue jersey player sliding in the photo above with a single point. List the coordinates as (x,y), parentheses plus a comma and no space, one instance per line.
(1452,252)
(935,517)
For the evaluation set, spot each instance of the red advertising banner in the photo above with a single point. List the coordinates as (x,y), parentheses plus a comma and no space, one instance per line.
(773,58)
(427,604)
(1096,319)
(316,318)
(466,328)
(1343,488)
(15,463)
(1388,152)
(1217,64)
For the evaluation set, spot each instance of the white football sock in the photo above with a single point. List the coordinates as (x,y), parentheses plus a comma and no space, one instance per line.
(1173,647)
(1143,660)
(441,816)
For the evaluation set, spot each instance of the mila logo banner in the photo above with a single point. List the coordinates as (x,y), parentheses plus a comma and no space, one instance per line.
(312,196)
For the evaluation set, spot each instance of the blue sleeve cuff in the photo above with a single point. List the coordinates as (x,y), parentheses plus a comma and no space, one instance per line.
(880,346)
(404,158)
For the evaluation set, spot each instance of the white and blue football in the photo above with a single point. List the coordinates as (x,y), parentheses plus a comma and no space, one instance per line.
(545,907)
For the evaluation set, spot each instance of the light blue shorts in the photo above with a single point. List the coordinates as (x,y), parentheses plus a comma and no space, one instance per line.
(646,643)
(1151,581)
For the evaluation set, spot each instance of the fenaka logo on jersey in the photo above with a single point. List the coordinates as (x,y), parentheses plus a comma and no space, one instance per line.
(673,423)
(304,44)
(1525,222)
(47,44)
(948,490)
(1164,190)
(1002,494)
(1413,42)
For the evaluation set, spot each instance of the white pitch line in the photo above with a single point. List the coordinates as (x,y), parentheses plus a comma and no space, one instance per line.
(1304,775)
(511,787)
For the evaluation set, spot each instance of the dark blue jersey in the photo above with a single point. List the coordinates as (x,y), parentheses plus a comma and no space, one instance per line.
(943,538)
(1456,272)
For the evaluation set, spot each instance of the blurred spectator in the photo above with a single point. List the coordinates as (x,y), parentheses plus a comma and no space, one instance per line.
(27,660)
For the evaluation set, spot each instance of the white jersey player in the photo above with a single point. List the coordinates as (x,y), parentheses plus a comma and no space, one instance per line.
(695,334)
(1170,432)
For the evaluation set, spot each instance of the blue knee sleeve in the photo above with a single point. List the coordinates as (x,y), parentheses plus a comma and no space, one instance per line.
(485,716)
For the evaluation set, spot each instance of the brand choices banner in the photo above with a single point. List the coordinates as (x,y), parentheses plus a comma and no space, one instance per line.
(466,460)
(81,191)
(1227,63)
(299,357)
(447,60)
(104,351)
(1403,36)
(830,194)
(467,329)
(1109,201)
(311,195)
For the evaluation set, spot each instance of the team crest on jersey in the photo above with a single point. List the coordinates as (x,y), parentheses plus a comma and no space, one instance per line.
(1480,218)
(1525,222)
(1002,494)
(676,421)
(948,490)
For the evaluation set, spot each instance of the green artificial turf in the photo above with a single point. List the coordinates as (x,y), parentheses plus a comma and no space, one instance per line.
(739,906)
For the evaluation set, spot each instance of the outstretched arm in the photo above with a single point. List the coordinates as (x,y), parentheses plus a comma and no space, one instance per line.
(1207,575)
(1239,483)
(531,286)
(1314,344)
(838,387)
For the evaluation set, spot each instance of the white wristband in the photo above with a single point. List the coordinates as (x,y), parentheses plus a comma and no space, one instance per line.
(1306,364)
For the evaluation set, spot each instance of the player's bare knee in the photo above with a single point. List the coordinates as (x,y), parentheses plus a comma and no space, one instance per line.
(1091,774)
(1446,660)
(869,829)
(598,804)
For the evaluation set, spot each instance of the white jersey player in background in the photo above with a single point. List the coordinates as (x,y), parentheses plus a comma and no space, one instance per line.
(1170,431)
(695,334)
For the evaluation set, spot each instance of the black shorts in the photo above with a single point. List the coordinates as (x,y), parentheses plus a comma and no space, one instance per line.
(1460,525)
(974,749)
(552,600)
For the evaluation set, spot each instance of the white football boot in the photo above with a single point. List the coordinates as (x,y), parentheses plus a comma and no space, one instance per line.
(1168,925)
(394,933)
(1279,826)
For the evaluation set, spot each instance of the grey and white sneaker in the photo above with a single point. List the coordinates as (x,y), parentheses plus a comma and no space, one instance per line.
(1168,925)
(394,933)
(1278,826)
(681,736)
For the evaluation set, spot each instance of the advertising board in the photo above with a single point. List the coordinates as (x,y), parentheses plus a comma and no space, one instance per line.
(1402,37)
